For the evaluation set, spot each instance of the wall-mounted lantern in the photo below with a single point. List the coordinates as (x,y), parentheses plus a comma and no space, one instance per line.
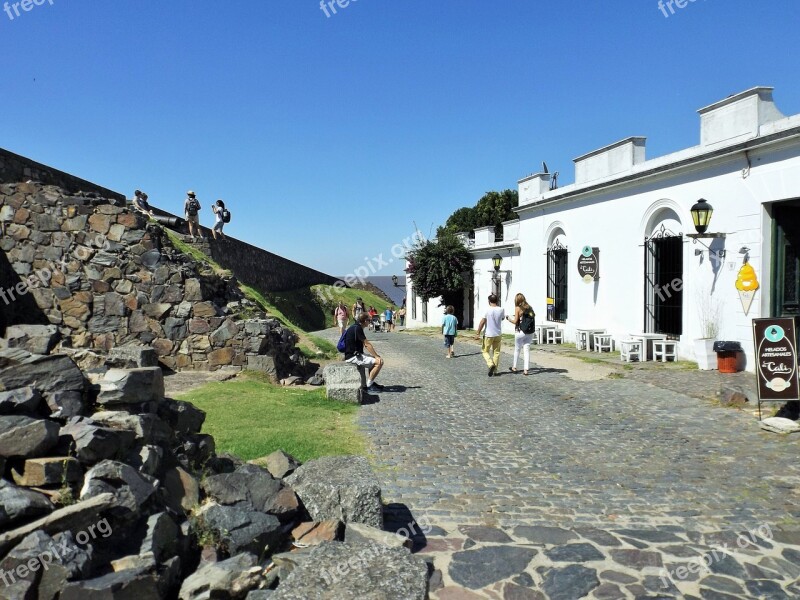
(394,280)
(701,216)
(497,260)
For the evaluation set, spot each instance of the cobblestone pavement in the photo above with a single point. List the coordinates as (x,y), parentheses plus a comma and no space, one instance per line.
(544,487)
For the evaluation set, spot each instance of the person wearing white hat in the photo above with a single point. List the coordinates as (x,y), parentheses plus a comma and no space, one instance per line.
(191,208)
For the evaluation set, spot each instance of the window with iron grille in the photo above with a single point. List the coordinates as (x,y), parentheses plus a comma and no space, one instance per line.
(663,283)
(413,305)
(557,280)
(424,312)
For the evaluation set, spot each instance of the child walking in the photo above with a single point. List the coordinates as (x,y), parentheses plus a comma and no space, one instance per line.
(450,331)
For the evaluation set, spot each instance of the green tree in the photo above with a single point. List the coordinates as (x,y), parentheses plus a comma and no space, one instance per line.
(492,209)
(437,268)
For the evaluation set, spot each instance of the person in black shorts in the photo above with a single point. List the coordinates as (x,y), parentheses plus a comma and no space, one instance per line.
(355,340)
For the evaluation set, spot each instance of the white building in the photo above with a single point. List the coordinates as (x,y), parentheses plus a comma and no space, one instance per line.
(635,213)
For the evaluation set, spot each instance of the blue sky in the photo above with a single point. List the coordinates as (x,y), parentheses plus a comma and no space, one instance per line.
(328,137)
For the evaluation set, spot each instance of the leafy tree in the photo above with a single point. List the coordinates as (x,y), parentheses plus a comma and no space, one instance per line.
(492,209)
(437,268)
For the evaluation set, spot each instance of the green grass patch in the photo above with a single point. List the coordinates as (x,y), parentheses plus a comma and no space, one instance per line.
(251,418)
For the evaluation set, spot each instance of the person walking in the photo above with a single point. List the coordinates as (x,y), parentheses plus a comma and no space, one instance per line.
(340,316)
(355,340)
(389,313)
(358,308)
(191,209)
(401,314)
(493,322)
(219,221)
(450,331)
(524,322)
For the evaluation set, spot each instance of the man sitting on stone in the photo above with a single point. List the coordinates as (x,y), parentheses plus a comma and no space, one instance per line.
(355,340)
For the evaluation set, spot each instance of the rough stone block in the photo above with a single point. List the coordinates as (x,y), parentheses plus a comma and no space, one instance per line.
(23,400)
(17,504)
(244,530)
(339,487)
(54,470)
(36,339)
(360,534)
(26,437)
(346,570)
(131,386)
(132,356)
(231,578)
(343,382)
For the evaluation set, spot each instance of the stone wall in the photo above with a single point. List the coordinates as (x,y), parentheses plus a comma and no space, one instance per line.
(257,267)
(15,168)
(104,278)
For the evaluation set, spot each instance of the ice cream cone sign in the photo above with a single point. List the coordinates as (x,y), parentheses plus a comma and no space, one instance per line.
(747,284)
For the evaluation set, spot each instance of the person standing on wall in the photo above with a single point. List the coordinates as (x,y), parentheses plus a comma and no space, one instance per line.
(524,321)
(493,322)
(450,331)
(191,209)
(220,212)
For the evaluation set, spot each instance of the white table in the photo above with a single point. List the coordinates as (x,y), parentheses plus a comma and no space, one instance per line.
(647,340)
(582,334)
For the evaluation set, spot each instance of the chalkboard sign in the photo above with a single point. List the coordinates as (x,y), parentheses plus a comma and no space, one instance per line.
(589,264)
(776,359)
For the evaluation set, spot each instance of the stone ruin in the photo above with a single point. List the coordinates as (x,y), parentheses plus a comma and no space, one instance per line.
(109,490)
(83,275)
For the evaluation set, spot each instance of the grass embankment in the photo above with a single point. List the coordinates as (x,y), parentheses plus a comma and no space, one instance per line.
(251,418)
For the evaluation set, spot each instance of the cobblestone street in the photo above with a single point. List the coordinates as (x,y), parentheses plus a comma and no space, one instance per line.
(549,486)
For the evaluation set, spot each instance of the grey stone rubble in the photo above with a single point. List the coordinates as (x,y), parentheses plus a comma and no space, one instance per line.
(140,505)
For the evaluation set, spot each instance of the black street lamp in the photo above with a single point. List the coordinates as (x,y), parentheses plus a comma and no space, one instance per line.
(701,216)
(394,280)
(497,260)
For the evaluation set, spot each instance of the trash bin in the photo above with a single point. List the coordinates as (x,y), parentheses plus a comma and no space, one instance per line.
(727,356)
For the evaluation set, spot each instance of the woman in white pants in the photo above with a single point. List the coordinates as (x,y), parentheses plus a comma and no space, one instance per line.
(522,320)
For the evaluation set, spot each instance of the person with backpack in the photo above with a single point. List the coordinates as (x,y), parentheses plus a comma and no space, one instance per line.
(353,343)
(191,209)
(524,321)
(450,331)
(222,216)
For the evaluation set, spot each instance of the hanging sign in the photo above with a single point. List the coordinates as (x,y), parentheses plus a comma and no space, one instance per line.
(776,359)
(589,264)
(747,284)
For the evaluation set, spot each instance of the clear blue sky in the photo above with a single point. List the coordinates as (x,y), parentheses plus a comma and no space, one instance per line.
(329,136)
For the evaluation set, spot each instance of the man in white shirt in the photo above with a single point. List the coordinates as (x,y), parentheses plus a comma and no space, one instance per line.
(493,321)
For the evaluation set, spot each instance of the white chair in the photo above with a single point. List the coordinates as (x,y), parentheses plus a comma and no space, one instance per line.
(664,349)
(630,348)
(603,343)
(555,336)
(582,340)
(535,337)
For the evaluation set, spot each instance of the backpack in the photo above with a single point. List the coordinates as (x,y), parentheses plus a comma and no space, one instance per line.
(528,322)
(226,215)
(192,207)
(340,346)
